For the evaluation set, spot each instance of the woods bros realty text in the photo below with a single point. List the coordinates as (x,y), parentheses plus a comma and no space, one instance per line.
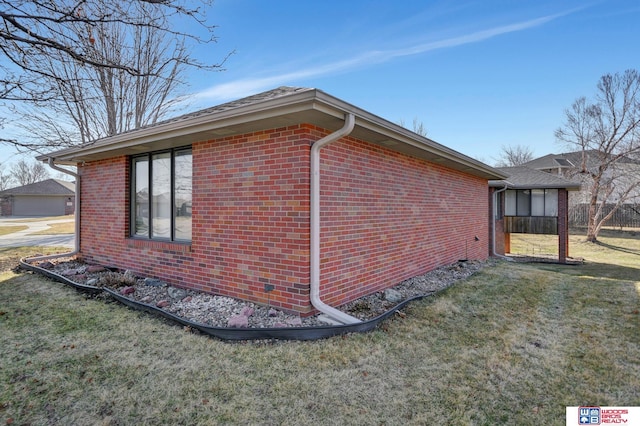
(603,415)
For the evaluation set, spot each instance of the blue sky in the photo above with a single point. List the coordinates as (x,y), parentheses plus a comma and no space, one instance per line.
(477,74)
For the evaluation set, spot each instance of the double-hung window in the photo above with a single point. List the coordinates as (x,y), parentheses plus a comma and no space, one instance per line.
(161,196)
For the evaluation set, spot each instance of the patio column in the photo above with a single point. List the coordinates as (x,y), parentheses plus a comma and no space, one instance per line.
(563,225)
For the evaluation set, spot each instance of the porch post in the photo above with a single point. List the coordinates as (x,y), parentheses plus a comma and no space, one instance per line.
(563,225)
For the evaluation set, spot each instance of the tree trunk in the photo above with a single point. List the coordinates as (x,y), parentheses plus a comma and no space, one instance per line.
(592,222)
(592,234)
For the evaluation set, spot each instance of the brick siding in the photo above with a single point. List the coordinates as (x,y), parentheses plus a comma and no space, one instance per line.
(70,205)
(385,217)
(6,205)
(563,225)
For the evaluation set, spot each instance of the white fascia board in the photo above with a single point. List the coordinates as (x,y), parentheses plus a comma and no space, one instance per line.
(177,128)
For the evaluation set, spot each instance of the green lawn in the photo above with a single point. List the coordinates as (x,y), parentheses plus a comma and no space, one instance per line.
(514,344)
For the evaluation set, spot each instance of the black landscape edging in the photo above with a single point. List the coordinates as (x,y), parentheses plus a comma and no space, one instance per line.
(251,333)
(81,287)
(228,333)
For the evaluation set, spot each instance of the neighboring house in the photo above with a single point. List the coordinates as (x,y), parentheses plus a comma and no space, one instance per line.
(624,175)
(566,164)
(571,165)
(291,197)
(529,201)
(51,197)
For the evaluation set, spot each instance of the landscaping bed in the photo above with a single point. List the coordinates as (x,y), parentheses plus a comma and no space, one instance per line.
(225,312)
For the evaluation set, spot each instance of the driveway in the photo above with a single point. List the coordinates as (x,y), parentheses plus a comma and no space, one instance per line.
(24,238)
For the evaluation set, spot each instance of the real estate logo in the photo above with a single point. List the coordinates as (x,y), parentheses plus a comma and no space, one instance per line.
(586,415)
(589,415)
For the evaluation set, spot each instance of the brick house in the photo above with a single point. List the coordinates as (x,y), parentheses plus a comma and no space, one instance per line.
(50,197)
(291,196)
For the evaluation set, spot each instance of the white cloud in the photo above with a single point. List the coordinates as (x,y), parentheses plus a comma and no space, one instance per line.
(245,87)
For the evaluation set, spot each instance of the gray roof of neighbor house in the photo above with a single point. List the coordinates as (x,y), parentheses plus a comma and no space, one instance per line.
(570,160)
(45,187)
(281,107)
(553,161)
(522,177)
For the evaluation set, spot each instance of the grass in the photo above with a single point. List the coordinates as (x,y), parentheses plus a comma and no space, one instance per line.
(5,230)
(9,257)
(41,219)
(54,228)
(514,344)
(613,249)
(58,228)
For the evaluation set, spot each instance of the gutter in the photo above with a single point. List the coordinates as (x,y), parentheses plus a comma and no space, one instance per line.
(314,252)
(308,105)
(76,215)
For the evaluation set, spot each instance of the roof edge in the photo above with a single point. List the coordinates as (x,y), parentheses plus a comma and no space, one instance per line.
(307,99)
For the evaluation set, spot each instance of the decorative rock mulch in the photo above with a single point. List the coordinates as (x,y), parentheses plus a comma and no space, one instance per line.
(221,311)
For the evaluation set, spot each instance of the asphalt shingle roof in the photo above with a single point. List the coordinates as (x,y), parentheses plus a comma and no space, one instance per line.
(522,177)
(45,187)
(249,100)
(570,160)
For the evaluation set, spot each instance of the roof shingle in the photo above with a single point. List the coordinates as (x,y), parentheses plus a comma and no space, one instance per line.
(45,187)
(522,177)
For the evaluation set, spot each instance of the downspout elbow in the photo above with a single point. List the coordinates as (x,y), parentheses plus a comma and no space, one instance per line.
(316,301)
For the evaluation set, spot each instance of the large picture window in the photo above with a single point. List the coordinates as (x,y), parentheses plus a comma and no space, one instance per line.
(531,202)
(161,195)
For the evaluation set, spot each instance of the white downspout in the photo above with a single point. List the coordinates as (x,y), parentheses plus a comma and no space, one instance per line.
(76,217)
(315,223)
(493,219)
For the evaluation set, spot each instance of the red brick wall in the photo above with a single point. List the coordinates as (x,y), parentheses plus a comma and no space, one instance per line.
(250,220)
(563,225)
(103,211)
(385,218)
(6,205)
(251,216)
(70,205)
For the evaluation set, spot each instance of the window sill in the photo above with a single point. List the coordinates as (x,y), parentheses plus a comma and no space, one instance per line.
(172,246)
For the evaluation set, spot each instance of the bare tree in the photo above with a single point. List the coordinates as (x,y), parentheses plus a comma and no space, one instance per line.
(417,126)
(123,59)
(514,156)
(27,173)
(607,132)
(6,180)
(92,102)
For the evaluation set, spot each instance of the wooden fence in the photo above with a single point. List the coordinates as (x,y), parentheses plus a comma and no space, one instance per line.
(627,216)
(531,225)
